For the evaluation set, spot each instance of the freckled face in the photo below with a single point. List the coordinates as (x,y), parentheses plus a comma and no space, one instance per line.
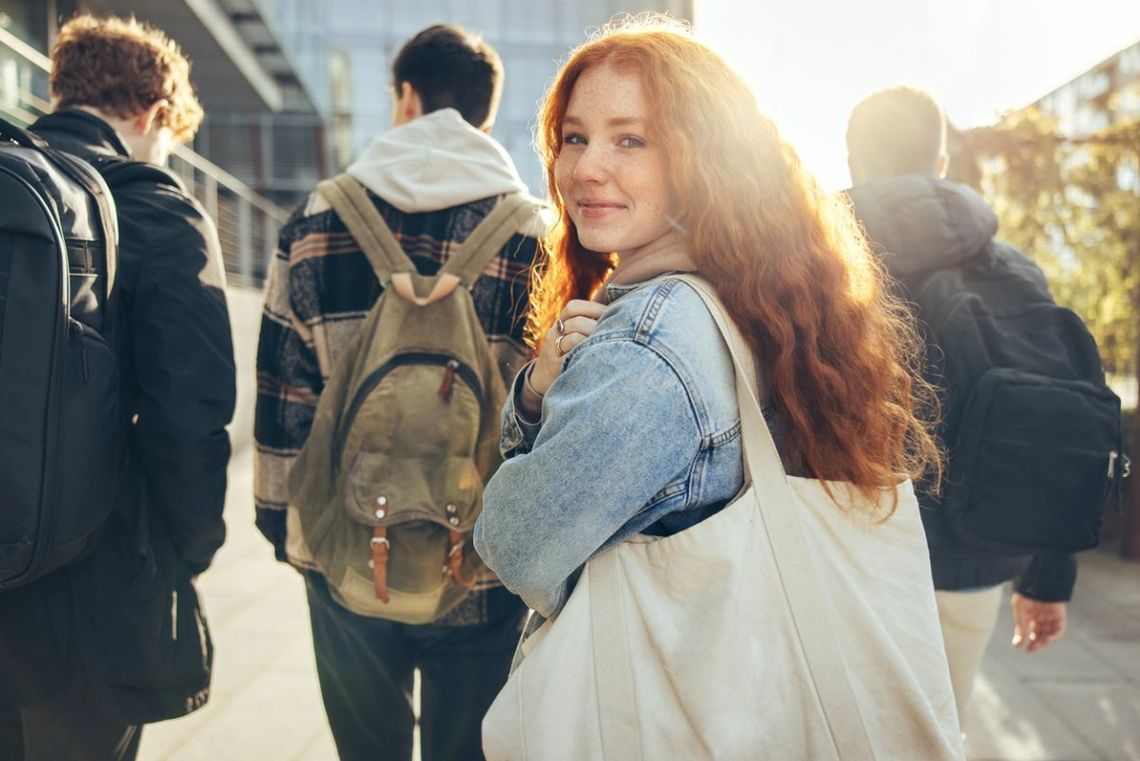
(612,173)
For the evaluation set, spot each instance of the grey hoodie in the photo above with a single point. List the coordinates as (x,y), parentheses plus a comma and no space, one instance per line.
(920,224)
(435,162)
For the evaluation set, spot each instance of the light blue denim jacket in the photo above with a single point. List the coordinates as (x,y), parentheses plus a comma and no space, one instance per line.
(639,434)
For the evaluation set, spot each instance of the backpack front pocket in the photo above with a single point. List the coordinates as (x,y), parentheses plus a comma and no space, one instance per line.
(421,508)
(389,490)
(1034,466)
(418,401)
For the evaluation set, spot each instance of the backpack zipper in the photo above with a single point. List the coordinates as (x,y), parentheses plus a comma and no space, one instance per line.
(451,365)
(448,380)
(77,329)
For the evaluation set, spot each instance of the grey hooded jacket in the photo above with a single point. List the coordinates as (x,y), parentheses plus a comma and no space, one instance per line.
(917,225)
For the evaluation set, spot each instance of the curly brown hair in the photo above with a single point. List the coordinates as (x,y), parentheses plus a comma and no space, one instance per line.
(123,67)
(841,355)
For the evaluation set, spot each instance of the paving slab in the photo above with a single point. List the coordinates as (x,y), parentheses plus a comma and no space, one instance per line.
(1103,576)
(1072,658)
(1009,722)
(1107,718)
(1123,656)
(272,717)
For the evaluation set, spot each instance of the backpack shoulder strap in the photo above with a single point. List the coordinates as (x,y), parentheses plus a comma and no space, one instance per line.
(488,238)
(350,201)
(89,175)
(20,136)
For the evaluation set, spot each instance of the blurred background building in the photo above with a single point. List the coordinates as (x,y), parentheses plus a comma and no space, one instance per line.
(263,140)
(344,51)
(262,123)
(1106,94)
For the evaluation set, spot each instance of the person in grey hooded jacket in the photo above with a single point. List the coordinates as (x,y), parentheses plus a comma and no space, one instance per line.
(433,177)
(920,222)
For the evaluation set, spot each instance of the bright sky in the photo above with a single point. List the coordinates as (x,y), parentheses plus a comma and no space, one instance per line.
(810,61)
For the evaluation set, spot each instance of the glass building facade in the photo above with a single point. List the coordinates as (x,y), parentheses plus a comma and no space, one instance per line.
(343,53)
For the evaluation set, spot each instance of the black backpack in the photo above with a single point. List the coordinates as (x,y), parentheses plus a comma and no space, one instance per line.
(61,431)
(1032,431)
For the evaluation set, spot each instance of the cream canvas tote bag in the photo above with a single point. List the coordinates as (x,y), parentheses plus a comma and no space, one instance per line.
(782,628)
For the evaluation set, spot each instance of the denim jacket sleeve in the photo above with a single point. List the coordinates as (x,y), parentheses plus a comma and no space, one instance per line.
(618,434)
(517,434)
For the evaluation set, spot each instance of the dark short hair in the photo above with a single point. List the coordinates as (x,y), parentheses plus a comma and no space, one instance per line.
(896,131)
(450,68)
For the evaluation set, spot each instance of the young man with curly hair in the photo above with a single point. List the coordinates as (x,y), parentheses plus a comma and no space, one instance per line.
(91,652)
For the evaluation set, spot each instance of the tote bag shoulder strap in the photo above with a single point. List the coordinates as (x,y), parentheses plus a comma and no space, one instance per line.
(812,613)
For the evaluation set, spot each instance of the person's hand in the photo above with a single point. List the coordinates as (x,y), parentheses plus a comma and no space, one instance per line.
(1037,624)
(575,324)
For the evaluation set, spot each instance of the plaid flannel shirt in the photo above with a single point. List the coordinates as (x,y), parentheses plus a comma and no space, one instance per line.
(321,287)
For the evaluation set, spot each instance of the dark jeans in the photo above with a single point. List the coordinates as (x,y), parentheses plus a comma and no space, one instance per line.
(365,667)
(74,727)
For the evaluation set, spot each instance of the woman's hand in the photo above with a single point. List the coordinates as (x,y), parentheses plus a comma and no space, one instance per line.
(574,325)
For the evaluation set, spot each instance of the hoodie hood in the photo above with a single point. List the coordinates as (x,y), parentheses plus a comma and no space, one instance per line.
(918,223)
(435,162)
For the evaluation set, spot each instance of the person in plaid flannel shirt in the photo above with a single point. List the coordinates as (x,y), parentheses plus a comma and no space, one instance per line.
(433,177)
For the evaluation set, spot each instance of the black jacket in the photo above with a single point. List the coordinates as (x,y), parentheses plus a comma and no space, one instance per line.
(917,225)
(126,619)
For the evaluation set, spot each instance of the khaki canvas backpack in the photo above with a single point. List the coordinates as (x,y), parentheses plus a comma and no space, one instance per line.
(384,494)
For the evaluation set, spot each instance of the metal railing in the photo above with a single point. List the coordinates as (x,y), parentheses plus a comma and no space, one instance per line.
(247,222)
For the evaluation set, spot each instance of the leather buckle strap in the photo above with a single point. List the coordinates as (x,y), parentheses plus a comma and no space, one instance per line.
(380,547)
(454,567)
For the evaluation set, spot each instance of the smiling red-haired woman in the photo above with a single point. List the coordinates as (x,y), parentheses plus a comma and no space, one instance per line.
(708,460)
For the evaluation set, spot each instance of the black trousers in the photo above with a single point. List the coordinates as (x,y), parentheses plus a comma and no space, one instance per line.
(365,667)
(73,727)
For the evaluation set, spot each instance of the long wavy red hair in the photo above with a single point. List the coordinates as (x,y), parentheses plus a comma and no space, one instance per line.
(839,353)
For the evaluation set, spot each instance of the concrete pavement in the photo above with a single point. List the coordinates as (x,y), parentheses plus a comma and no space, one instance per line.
(1078,700)
(265,702)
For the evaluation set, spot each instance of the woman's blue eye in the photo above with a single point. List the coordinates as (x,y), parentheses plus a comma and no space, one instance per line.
(573,139)
(631,142)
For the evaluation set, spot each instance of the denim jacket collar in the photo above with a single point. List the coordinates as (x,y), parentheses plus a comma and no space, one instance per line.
(611,292)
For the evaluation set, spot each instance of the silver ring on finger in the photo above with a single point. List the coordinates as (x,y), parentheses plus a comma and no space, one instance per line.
(560,327)
(558,345)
